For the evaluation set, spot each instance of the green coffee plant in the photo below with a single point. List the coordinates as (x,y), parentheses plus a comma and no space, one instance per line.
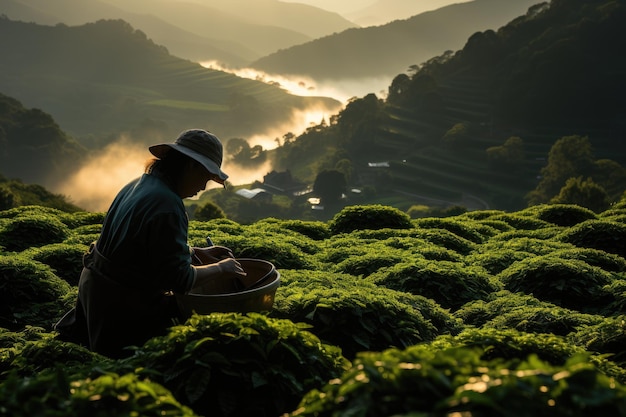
(569,283)
(373,217)
(604,235)
(54,393)
(25,231)
(563,214)
(606,337)
(450,284)
(30,293)
(468,229)
(357,315)
(458,381)
(525,313)
(66,260)
(238,365)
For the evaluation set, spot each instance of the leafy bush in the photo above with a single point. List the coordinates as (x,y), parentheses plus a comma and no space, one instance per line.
(30,293)
(496,261)
(315,230)
(271,248)
(569,283)
(564,214)
(446,239)
(523,244)
(604,235)
(520,222)
(374,217)
(365,265)
(607,337)
(54,393)
(66,260)
(357,315)
(24,232)
(510,344)
(461,229)
(525,313)
(448,283)
(456,381)
(28,355)
(618,306)
(595,257)
(238,365)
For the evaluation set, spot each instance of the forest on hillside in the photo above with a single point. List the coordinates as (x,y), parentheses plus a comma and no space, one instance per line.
(497,119)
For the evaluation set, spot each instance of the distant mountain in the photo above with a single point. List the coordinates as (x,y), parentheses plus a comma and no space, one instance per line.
(232,32)
(103,78)
(385,51)
(385,11)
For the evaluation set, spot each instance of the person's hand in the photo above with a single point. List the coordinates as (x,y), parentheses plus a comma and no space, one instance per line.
(210,255)
(229,268)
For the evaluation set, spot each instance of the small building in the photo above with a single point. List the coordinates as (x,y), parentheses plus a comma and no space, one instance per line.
(258,194)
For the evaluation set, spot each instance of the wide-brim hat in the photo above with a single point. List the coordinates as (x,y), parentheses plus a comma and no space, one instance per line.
(202,146)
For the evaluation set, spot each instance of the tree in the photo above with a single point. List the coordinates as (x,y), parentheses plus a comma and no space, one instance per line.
(8,199)
(509,155)
(456,135)
(585,193)
(329,185)
(569,157)
(208,212)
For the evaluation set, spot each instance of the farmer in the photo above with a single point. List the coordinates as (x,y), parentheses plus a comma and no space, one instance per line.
(142,257)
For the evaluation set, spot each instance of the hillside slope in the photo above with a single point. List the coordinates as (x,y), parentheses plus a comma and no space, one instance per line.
(448,130)
(392,48)
(106,77)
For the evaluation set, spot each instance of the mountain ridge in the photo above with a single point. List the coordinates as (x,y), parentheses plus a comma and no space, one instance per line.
(392,48)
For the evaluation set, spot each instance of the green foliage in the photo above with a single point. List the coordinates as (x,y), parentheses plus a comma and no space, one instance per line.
(357,315)
(584,193)
(510,344)
(606,337)
(373,217)
(569,283)
(517,293)
(466,229)
(26,354)
(272,248)
(54,393)
(450,284)
(423,381)
(564,214)
(604,235)
(496,261)
(66,260)
(25,231)
(367,264)
(238,365)
(525,313)
(30,293)
(315,230)
(209,211)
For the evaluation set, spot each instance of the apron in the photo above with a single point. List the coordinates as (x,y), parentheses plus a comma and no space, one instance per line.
(110,316)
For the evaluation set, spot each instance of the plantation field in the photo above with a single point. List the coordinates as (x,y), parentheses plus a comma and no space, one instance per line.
(486,313)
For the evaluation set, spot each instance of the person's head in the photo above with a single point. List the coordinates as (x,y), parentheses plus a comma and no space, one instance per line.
(190,162)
